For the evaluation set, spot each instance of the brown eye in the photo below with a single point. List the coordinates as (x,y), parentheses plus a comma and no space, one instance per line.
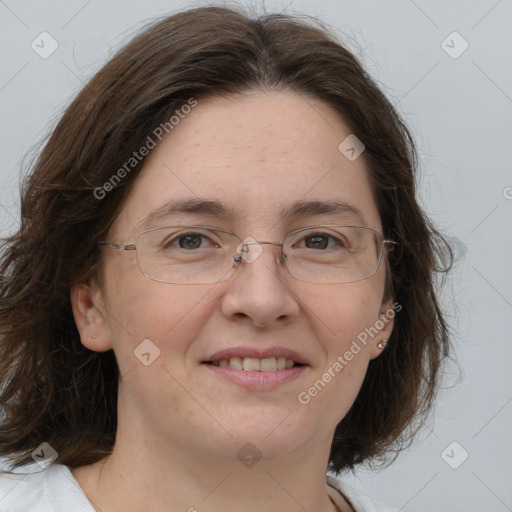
(316,242)
(322,241)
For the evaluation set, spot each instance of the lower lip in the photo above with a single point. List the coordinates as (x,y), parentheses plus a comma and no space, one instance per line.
(257,380)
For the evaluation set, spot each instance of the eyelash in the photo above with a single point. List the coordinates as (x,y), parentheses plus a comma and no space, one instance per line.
(338,240)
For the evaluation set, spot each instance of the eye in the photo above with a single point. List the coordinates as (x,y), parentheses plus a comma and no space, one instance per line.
(322,241)
(189,241)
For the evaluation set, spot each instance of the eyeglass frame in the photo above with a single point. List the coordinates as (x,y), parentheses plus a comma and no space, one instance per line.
(238,258)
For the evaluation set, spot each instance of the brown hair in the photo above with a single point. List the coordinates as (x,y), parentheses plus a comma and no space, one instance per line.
(52,388)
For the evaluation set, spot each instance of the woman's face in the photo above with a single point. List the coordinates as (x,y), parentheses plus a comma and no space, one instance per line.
(255,155)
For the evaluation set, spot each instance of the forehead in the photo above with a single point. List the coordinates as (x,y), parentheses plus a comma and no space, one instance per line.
(256,155)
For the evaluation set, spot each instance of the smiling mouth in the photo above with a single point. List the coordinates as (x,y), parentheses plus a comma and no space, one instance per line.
(253,364)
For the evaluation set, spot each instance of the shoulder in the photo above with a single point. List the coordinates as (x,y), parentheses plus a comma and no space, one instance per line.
(49,490)
(359,501)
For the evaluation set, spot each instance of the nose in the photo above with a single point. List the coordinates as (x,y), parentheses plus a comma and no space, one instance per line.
(259,292)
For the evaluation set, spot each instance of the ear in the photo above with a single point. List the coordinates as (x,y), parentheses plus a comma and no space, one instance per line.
(89,312)
(384,327)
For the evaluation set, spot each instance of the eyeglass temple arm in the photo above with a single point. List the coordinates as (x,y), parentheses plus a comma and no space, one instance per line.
(390,244)
(121,247)
(131,247)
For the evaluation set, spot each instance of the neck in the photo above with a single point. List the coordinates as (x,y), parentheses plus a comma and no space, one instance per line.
(148,477)
(166,468)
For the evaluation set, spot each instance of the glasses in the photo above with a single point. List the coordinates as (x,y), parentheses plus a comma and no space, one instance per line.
(329,254)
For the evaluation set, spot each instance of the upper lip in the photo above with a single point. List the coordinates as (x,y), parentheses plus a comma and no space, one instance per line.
(258,353)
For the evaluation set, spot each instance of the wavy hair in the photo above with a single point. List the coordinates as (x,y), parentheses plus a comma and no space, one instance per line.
(54,389)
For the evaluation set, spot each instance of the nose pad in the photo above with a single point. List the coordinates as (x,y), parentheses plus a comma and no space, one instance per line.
(250,250)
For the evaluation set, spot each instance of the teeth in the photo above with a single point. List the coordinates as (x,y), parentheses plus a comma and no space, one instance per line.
(268,365)
(253,364)
(236,363)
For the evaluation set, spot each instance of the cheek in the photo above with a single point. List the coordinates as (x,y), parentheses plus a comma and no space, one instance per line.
(347,349)
(344,316)
(169,316)
(341,313)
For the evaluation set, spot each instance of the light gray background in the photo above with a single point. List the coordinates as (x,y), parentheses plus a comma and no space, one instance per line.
(460,111)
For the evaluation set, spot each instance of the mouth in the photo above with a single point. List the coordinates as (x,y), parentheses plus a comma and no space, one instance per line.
(254,364)
(256,369)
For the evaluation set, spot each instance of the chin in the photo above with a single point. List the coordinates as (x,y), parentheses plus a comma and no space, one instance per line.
(275,433)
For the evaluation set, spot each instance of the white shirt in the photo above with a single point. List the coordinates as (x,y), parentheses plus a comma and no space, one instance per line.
(55,490)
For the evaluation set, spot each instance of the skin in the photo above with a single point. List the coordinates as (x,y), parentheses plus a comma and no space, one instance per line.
(180,427)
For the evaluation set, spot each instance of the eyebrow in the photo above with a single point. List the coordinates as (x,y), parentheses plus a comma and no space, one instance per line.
(211,208)
(192,205)
(311,208)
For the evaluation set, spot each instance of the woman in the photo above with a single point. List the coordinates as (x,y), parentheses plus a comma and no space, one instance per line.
(222,285)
